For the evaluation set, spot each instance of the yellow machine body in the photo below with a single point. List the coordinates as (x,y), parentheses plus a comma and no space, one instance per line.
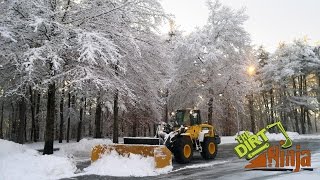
(195,130)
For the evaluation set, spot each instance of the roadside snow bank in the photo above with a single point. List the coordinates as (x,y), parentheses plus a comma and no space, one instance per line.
(84,146)
(114,164)
(279,136)
(272,137)
(9,148)
(19,162)
(73,148)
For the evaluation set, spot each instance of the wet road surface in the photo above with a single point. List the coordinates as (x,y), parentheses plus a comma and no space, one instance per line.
(225,166)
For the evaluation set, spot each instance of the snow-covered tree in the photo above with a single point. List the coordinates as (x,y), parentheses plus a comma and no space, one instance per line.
(211,66)
(286,75)
(94,46)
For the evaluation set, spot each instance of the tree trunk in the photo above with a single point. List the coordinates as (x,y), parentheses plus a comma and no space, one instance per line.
(98,119)
(154,129)
(25,127)
(116,109)
(302,109)
(315,122)
(37,118)
(283,111)
(49,133)
(226,122)
(210,111)
(56,123)
(32,108)
(166,111)
(90,117)
(73,107)
(61,117)
(115,118)
(80,121)
(69,110)
(122,127)
(14,124)
(295,109)
(307,117)
(309,121)
(302,120)
(84,117)
(102,123)
(134,127)
(271,106)
(1,123)
(252,120)
(266,106)
(11,119)
(22,120)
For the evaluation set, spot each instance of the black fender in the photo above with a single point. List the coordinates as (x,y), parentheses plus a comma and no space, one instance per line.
(217,139)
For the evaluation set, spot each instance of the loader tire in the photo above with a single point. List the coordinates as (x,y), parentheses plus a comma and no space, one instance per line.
(183,150)
(209,148)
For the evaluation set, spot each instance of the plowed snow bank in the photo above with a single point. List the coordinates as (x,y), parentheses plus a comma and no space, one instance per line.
(114,164)
(19,162)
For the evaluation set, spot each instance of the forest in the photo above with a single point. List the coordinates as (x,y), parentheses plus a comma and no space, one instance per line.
(101,68)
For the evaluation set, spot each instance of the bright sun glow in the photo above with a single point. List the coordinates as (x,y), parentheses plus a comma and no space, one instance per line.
(251,70)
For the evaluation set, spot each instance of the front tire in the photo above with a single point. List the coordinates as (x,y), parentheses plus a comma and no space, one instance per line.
(183,150)
(209,148)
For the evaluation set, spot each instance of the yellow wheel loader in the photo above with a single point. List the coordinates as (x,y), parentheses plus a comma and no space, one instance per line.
(181,138)
(189,134)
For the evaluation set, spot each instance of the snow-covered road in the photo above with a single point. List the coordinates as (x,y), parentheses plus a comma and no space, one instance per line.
(227,166)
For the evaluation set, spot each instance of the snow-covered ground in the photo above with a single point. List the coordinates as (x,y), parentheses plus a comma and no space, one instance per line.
(24,162)
(20,162)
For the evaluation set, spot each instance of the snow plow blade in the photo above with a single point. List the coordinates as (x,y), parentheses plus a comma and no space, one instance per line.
(161,154)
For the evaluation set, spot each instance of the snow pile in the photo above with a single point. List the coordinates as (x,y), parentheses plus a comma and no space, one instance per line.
(271,137)
(228,139)
(40,145)
(231,139)
(114,164)
(280,136)
(84,146)
(19,162)
(9,148)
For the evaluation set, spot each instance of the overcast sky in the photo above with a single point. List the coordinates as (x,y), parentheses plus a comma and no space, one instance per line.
(270,21)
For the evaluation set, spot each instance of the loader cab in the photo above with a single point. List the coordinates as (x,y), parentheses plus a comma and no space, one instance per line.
(188,117)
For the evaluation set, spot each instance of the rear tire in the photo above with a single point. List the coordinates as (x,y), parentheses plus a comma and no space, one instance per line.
(209,148)
(183,150)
